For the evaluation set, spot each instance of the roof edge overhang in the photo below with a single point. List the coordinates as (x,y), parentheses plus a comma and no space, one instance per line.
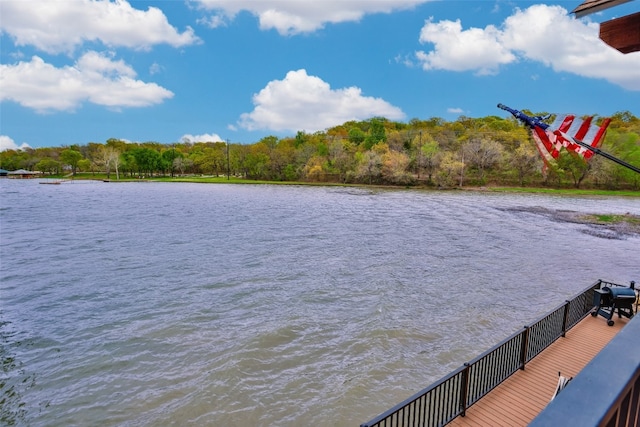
(592,6)
(619,33)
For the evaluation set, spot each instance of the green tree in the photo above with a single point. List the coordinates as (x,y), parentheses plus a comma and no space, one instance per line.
(428,158)
(14,159)
(573,166)
(301,138)
(71,157)
(283,158)
(256,161)
(377,133)
(118,144)
(48,165)
(625,145)
(169,157)
(147,160)
(626,122)
(211,161)
(356,136)
(128,163)
(84,165)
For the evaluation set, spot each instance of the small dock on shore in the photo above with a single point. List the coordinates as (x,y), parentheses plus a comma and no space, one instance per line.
(55,181)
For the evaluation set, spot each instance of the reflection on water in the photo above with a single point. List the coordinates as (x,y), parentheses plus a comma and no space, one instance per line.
(180,304)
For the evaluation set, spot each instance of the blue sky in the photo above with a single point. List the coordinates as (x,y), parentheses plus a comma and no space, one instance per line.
(80,71)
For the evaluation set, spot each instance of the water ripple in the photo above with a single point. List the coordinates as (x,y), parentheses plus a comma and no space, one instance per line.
(177,304)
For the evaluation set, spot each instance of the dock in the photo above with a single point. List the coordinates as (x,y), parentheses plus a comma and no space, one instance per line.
(514,382)
(522,396)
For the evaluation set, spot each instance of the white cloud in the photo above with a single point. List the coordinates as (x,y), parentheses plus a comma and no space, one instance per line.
(6,143)
(206,137)
(547,34)
(457,50)
(300,16)
(214,21)
(307,103)
(61,26)
(455,110)
(155,68)
(540,33)
(94,78)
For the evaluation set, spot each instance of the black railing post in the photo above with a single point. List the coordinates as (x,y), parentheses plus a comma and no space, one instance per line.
(565,317)
(464,390)
(525,346)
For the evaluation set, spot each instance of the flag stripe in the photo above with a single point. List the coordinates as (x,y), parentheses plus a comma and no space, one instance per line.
(564,132)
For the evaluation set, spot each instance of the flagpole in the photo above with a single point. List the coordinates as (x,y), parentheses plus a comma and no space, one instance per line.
(604,154)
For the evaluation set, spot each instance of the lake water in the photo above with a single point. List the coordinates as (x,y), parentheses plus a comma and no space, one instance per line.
(148,304)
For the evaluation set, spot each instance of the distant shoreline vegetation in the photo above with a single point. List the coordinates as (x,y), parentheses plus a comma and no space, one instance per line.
(483,152)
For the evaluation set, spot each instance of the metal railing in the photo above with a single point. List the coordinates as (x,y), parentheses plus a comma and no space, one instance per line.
(449,397)
(606,392)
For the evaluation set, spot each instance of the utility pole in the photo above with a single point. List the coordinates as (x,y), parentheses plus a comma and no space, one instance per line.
(228,162)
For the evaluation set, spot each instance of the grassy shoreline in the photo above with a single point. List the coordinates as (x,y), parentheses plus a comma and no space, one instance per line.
(235,180)
(561,191)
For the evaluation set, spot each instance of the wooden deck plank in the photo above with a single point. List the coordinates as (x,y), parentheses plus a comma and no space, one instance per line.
(521,397)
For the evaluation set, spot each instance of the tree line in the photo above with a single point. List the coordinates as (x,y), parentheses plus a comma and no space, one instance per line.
(434,152)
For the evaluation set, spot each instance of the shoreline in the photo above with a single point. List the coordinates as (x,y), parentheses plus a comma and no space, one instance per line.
(601,225)
(568,191)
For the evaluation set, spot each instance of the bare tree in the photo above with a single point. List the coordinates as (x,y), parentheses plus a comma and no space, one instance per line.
(525,160)
(109,157)
(369,166)
(450,169)
(482,154)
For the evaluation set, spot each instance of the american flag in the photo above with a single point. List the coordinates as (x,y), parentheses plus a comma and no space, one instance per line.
(564,132)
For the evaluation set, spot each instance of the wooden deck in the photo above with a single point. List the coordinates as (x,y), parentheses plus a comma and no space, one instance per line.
(521,397)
